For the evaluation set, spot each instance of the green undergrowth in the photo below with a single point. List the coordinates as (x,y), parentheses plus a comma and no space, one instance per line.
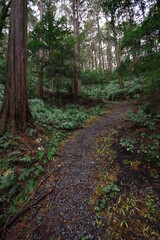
(64,119)
(148,134)
(111,91)
(24,159)
(126,198)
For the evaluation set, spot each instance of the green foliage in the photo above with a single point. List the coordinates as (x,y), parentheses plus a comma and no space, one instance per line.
(143,118)
(57,42)
(94,77)
(85,237)
(69,119)
(149,26)
(40,113)
(109,191)
(133,88)
(128,143)
(113,90)
(13,179)
(141,42)
(4,142)
(7,179)
(152,152)
(150,144)
(22,197)
(2,71)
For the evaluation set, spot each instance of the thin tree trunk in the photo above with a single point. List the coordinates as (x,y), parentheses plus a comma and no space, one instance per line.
(92,59)
(117,55)
(15,108)
(109,49)
(95,56)
(99,43)
(109,57)
(77,47)
(102,58)
(116,47)
(40,71)
(143,9)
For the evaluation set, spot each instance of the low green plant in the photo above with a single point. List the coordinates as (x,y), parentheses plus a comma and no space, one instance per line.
(143,118)
(7,179)
(152,152)
(67,119)
(128,143)
(109,191)
(5,141)
(85,237)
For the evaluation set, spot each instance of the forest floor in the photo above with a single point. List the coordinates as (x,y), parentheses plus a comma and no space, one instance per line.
(97,189)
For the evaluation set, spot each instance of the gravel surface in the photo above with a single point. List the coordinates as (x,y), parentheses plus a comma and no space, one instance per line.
(67,213)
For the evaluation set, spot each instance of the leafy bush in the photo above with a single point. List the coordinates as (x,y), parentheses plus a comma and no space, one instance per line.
(151,152)
(113,91)
(128,143)
(134,86)
(40,113)
(143,118)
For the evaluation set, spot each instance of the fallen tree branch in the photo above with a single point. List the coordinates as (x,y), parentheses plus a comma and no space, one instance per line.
(31,197)
(22,211)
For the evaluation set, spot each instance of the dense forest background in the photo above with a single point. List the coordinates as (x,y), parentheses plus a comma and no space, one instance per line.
(89,48)
(62,65)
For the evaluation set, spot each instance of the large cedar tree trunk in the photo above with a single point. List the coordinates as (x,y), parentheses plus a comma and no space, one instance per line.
(15,108)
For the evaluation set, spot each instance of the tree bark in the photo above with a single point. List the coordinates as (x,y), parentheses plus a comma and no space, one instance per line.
(99,42)
(117,55)
(77,47)
(95,57)
(109,57)
(109,48)
(103,64)
(15,108)
(40,73)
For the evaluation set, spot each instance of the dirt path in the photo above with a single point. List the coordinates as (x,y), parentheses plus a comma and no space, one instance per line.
(67,213)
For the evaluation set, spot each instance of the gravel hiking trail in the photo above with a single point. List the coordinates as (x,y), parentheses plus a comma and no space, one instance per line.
(66,213)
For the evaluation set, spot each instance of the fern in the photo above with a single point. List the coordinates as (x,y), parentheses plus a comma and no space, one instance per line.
(25,173)
(7,179)
(113,90)
(4,142)
(26,158)
(31,185)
